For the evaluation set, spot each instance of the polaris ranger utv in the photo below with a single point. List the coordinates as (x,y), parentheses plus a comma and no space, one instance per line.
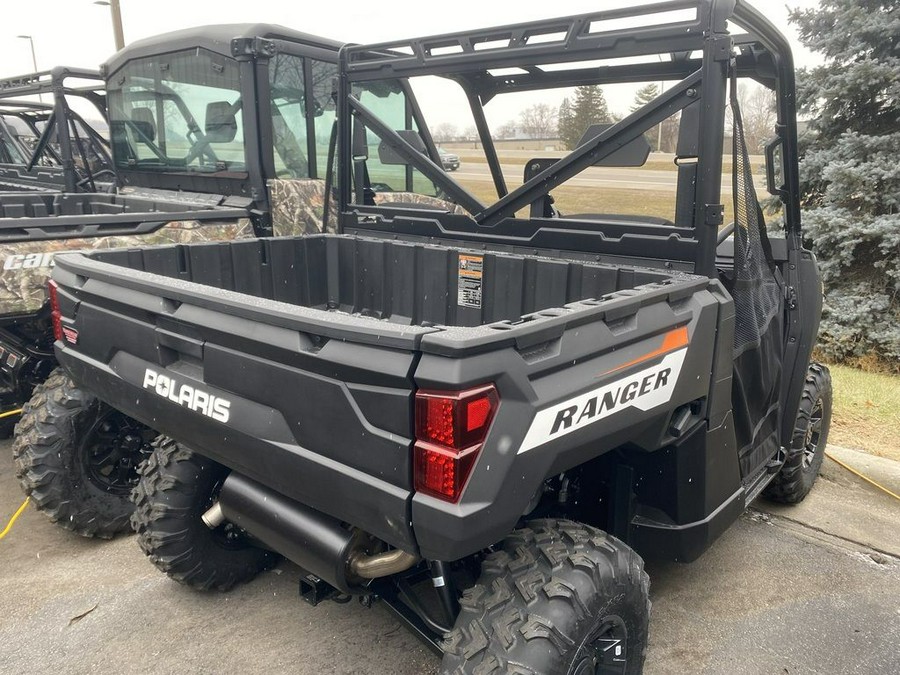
(264,97)
(481,414)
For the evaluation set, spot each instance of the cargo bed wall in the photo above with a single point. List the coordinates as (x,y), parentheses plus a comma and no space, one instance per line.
(402,282)
(42,205)
(25,265)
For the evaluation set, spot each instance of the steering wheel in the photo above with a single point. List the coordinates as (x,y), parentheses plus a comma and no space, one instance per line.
(198,148)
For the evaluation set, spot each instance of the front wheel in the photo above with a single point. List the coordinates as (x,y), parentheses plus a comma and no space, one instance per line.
(558,597)
(77,458)
(807,451)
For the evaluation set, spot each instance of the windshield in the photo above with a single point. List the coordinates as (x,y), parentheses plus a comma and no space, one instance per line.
(178,112)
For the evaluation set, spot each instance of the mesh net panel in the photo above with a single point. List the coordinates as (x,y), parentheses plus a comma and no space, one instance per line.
(759,319)
(757,292)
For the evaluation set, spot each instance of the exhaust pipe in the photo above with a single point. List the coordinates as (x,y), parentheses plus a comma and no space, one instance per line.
(382,564)
(214,517)
(316,542)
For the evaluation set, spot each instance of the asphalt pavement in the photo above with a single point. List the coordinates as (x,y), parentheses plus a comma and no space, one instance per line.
(810,589)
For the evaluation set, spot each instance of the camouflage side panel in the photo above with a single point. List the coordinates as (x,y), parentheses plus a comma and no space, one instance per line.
(414,198)
(298,205)
(27,265)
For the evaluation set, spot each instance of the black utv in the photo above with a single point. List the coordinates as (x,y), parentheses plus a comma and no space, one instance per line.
(46,145)
(482,414)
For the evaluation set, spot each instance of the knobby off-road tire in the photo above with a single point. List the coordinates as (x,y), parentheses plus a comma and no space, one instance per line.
(77,458)
(804,458)
(176,487)
(558,598)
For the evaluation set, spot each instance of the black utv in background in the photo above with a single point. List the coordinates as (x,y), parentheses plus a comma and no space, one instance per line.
(216,133)
(481,413)
(47,146)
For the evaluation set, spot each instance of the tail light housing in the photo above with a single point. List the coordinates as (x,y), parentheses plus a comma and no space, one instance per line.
(55,313)
(450,432)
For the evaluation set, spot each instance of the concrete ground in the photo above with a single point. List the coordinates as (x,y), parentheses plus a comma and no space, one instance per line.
(785,591)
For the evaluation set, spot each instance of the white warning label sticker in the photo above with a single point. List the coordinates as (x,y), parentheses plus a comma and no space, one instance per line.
(470,279)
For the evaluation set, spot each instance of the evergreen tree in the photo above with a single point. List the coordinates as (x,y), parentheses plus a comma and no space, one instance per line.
(564,122)
(643,96)
(850,172)
(589,107)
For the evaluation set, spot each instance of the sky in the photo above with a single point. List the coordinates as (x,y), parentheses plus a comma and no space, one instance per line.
(79,33)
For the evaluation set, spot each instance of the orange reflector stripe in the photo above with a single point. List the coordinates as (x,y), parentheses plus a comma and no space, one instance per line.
(674,339)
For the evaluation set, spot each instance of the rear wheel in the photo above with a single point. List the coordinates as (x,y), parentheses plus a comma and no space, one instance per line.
(77,458)
(176,488)
(558,597)
(804,459)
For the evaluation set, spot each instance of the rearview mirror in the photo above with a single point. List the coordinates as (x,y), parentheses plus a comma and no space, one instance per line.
(387,154)
(221,123)
(634,153)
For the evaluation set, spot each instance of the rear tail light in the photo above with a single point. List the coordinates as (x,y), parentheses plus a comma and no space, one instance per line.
(450,432)
(55,313)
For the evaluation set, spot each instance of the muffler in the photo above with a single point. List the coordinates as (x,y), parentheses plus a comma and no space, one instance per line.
(316,542)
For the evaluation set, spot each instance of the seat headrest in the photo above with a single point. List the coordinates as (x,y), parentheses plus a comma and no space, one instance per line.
(144,122)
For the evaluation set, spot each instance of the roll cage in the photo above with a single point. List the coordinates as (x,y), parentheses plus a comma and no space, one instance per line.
(690,41)
(64,138)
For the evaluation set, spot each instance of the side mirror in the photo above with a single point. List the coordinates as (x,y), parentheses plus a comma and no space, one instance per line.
(221,122)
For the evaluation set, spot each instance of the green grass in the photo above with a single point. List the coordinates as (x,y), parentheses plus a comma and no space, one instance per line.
(590,200)
(517,159)
(866,411)
(621,201)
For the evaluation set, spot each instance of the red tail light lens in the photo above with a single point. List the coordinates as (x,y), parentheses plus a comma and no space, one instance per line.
(55,313)
(450,430)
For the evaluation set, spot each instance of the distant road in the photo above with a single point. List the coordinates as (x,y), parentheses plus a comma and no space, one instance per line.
(474,167)
(634,179)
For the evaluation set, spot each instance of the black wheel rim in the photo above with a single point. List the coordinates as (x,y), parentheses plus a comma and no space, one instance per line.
(813,435)
(605,652)
(111,450)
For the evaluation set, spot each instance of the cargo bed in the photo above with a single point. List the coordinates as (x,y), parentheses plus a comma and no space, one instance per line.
(409,288)
(319,343)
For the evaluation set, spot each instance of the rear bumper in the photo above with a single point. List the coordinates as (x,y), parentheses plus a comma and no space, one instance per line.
(257,443)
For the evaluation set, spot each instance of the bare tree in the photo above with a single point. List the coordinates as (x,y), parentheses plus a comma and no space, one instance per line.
(506,130)
(445,132)
(538,121)
(758,113)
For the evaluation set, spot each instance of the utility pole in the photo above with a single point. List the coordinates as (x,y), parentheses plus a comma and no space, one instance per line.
(33,57)
(116,14)
(662,88)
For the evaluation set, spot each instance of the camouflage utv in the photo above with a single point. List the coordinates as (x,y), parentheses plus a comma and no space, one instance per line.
(256,167)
